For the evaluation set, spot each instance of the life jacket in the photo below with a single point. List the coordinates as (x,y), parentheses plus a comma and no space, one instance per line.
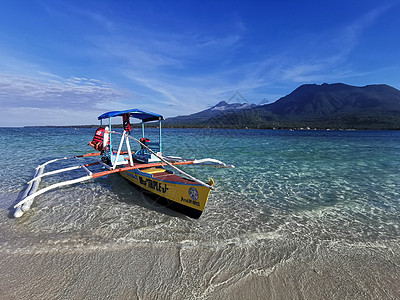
(127,124)
(144,141)
(97,142)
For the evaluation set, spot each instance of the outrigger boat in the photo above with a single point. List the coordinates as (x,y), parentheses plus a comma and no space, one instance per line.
(146,167)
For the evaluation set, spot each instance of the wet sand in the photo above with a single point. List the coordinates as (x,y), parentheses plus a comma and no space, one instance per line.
(265,269)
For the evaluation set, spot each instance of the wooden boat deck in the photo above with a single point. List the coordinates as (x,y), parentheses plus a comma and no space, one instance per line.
(163,174)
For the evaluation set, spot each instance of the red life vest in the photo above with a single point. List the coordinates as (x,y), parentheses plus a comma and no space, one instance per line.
(144,140)
(127,124)
(97,142)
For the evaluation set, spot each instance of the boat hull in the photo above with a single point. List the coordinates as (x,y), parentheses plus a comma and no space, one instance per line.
(182,195)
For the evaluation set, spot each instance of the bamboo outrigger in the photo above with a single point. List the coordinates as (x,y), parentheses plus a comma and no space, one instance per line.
(145,167)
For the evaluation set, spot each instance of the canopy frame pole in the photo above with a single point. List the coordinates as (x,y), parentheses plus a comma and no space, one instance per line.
(109,137)
(119,149)
(128,147)
(160,141)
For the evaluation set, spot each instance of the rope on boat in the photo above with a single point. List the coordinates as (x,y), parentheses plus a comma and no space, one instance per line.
(207,162)
(167,162)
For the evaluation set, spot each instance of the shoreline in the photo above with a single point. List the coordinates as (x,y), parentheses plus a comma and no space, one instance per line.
(279,270)
(135,126)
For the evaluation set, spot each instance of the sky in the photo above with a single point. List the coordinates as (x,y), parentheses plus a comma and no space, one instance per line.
(67,62)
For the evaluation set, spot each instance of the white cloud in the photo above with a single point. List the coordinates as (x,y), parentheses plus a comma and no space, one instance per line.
(51,94)
(168,68)
(55,92)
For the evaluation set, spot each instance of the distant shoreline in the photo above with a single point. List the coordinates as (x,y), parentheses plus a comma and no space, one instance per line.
(220,127)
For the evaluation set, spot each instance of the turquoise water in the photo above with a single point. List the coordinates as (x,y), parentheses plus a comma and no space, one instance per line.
(290,190)
(335,184)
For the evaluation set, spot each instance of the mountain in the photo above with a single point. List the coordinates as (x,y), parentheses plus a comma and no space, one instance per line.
(216,111)
(314,100)
(223,106)
(311,105)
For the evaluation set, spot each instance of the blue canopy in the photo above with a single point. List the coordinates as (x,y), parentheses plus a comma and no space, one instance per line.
(145,116)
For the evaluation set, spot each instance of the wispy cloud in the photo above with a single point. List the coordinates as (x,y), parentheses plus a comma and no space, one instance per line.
(353,32)
(326,57)
(158,61)
(171,66)
(52,93)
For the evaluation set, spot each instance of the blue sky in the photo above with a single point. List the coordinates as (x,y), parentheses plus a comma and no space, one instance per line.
(66,62)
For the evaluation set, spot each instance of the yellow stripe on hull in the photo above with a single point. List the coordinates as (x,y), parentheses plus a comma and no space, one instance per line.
(193,196)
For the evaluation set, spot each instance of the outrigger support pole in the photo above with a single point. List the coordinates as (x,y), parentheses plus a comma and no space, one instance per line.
(52,187)
(64,170)
(31,190)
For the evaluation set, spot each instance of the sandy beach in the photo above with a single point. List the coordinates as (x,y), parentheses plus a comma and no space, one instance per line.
(263,269)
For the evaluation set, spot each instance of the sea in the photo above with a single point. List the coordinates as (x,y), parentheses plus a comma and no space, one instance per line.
(305,214)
